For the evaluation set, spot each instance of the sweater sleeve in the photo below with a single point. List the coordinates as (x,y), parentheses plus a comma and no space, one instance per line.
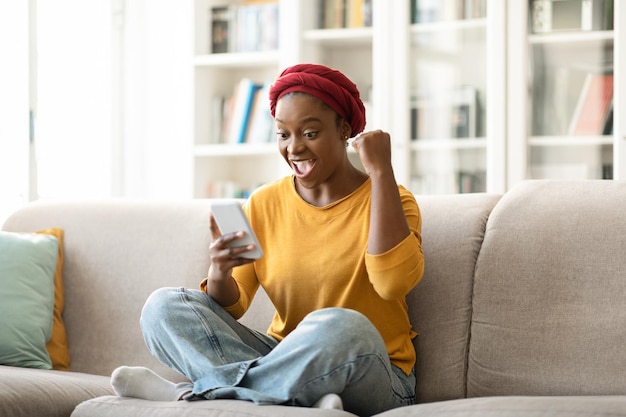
(395,272)
(246,281)
(246,293)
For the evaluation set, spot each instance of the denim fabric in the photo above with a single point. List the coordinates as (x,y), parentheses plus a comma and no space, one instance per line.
(333,350)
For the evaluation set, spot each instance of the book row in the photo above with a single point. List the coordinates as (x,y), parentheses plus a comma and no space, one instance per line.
(246,27)
(459,181)
(244,116)
(227,189)
(455,113)
(336,14)
(575,99)
(427,11)
(458,113)
(547,16)
(593,114)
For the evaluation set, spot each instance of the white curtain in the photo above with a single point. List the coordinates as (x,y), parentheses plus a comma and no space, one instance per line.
(73,124)
(14,107)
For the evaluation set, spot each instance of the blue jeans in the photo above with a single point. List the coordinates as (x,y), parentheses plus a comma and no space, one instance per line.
(333,350)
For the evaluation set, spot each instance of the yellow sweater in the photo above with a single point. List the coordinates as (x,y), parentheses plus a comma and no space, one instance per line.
(316,257)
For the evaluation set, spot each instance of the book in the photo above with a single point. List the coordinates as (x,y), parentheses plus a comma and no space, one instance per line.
(335,14)
(332,14)
(447,114)
(423,11)
(240,112)
(472,182)
(593,112)
(358,13)
(222,24)
(548,16)
(261,123)
(475,9)
(249,26)
(227,111)
(608,125)
(268,36)
(427,11)
(257,26)
(607,171)
(463,114)
(217,119)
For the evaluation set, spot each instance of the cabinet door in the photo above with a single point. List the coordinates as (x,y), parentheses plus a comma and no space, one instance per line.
(571,78)
(449,90)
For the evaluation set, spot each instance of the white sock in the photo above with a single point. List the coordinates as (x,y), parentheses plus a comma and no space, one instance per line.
(329,402)
(140,382)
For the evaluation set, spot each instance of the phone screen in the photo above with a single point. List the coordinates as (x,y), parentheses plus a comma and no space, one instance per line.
(230,218)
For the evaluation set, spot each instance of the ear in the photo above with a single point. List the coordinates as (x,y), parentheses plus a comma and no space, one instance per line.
(346,129)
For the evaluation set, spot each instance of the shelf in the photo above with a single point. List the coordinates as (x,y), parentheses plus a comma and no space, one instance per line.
(571,37)
(446,26)
(238,59)
(448,144)
(244,149)
(340,37)
(568,141)
(526,83)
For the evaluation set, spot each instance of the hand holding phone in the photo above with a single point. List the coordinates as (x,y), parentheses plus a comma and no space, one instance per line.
(230,218)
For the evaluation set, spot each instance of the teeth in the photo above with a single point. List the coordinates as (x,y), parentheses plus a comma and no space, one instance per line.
(302,161)
(303,166)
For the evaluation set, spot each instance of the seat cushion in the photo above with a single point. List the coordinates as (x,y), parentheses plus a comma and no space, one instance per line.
(131,407)
(605,406)
(26,392)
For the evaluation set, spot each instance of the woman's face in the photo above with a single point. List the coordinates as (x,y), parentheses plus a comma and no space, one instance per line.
(311,138)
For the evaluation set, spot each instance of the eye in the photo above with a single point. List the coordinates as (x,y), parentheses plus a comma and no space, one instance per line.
(310,134)
(281,135)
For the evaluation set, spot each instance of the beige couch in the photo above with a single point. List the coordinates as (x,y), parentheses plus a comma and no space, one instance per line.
(521,312)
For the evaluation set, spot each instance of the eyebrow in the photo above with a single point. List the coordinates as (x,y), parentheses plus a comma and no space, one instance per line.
(305,120)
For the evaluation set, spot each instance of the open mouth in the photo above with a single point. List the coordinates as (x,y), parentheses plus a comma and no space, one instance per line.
(302,167)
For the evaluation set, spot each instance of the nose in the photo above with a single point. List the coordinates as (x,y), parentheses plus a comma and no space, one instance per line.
(294,144)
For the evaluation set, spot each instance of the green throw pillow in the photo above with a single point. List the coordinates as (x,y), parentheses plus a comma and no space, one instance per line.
(27,265)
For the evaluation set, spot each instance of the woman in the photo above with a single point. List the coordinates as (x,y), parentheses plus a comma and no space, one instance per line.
(342,250)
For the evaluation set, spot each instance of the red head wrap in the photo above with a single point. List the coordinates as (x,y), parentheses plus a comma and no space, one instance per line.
(328,85)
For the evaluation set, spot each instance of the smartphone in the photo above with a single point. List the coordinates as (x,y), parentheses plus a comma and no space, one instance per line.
(230,218)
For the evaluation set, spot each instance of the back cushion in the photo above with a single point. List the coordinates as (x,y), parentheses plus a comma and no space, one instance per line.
(116,253)
(440,306)
(550,288)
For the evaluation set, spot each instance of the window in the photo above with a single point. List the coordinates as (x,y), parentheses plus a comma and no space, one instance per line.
(14,97)
(73,128)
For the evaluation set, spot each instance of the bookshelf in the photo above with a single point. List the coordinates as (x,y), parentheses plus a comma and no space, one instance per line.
(572,68)
(447,100)
(227,168)
(493,93)
(223,165)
